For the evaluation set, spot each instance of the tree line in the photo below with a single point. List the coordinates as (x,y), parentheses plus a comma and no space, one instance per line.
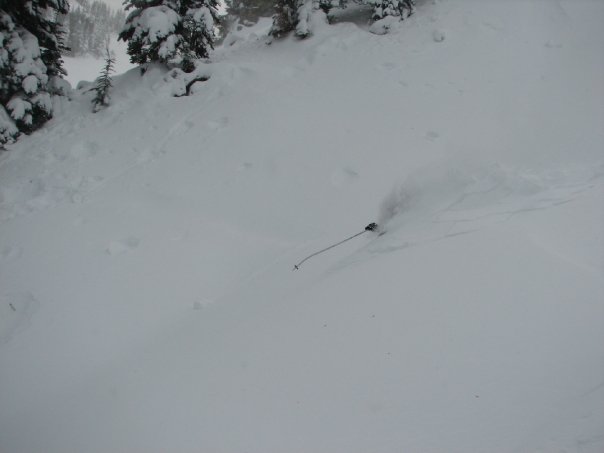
(89,26)
(34,34)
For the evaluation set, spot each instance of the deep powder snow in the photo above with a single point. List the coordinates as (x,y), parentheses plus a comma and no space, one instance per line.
(147,301)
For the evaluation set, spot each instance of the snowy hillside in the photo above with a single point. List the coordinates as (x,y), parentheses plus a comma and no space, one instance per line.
(147,298)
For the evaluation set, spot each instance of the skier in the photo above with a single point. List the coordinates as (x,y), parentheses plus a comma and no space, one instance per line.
(371,227)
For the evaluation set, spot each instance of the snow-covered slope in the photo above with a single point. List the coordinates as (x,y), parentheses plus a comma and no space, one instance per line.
(147,298)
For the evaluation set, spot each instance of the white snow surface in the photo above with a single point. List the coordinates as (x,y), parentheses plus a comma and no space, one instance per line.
(88,68)
(147,298)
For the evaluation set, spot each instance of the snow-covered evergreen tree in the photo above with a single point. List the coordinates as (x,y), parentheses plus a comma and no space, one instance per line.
(175,31)
(104,83)
(30,58)
(41,18)
(292,15)
(303,13)
(283,20)
(249,11)
(397,8)
(199,20)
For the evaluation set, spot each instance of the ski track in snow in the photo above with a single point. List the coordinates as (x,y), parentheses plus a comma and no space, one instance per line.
(44,180)
(443,203)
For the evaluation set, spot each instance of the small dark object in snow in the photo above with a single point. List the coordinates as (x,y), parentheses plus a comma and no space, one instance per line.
(371,227)
(12,307)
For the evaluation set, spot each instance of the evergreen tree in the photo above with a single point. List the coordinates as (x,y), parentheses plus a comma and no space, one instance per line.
(303,13)
(41,19)
(30,58)
(104,83)
(175,31)
(292,15)
(283,20)
(249,11)
(398,8)
(199,20)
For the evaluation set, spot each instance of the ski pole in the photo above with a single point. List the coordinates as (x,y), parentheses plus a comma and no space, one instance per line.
(370,227)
